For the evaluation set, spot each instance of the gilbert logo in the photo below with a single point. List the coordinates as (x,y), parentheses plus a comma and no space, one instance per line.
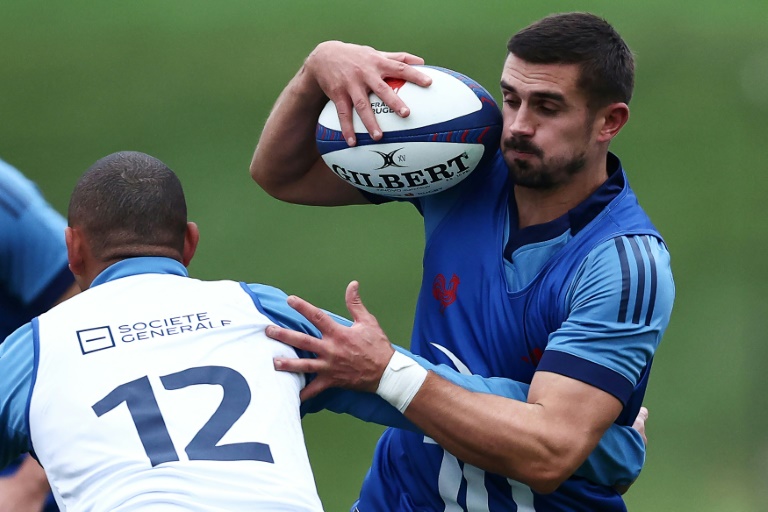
(413,178)
(444,292)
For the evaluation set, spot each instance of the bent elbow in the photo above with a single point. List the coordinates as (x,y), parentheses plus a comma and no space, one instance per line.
(259,175)
(548,480)
(265,180)
(547,471)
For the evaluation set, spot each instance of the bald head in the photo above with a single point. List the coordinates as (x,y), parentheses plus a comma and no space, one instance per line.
(130,204)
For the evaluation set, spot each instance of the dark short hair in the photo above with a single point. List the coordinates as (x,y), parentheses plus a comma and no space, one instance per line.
(607,64)
(130,204)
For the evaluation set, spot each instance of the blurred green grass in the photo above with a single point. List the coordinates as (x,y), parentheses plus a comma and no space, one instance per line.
(192,83)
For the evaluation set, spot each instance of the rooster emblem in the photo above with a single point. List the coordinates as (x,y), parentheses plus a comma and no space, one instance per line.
(445,293)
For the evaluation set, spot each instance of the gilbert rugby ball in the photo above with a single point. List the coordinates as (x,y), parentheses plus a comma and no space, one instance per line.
(454,125)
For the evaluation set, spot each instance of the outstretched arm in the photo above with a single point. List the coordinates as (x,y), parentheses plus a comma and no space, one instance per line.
(615,462)
(541,442)
(286,163)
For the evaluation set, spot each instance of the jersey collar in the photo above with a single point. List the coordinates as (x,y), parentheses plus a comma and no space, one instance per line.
(141,265)
(585,212)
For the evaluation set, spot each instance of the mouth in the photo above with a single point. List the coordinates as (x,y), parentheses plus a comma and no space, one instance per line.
(521,149)
(521,155)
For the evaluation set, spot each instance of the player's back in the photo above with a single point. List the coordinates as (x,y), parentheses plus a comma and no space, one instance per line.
(158,392)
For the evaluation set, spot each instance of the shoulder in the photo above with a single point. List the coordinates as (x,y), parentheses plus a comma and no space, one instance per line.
(16,190)
(632,274)
(272,302)
(619,307)
(23,205)
(629,256)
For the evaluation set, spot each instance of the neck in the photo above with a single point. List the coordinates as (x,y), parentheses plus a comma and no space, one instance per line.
(96,267)
(85,279)
(537,206)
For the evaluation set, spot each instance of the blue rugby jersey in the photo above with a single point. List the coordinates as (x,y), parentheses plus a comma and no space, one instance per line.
(587,296)
(33,258)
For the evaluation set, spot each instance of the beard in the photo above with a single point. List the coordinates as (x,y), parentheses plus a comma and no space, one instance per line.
(542,173)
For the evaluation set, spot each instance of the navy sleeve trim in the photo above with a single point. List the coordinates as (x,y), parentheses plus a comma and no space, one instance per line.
(53,292)
(588,372)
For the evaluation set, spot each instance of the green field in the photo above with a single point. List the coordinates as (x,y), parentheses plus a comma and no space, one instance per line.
(192,82)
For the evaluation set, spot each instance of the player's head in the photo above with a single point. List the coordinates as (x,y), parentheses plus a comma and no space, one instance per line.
(566,82)
(606,64)
(130,204)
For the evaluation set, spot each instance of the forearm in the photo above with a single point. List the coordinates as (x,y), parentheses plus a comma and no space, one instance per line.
(540,443)
(32,475)
(25,490)
(617,459)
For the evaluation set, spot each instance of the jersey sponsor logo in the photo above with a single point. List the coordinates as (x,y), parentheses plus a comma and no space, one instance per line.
(99,338)
(445,293)
(95,339)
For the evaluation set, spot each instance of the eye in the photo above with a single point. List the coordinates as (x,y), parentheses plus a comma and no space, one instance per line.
(512,102)
(548,109)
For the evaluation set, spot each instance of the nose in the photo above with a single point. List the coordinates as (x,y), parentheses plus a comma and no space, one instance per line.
(520,121)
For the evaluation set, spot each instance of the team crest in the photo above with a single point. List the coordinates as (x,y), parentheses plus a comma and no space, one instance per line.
(445,292)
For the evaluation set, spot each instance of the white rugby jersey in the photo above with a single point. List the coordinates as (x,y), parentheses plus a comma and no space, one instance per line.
(155,391)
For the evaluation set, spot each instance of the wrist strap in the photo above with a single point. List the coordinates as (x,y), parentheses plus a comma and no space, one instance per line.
(401,380)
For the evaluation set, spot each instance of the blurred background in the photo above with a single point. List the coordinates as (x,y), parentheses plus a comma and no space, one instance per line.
(192,82)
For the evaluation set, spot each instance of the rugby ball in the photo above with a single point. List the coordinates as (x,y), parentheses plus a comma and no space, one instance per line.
(453,127)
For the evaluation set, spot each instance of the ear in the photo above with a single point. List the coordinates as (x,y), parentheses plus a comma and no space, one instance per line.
(191,238)
(75,250)
(613,117)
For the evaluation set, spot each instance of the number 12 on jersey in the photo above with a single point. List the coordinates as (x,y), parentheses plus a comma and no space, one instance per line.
(139,397)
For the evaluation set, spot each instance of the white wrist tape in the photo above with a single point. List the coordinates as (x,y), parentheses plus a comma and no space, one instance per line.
(401,381)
